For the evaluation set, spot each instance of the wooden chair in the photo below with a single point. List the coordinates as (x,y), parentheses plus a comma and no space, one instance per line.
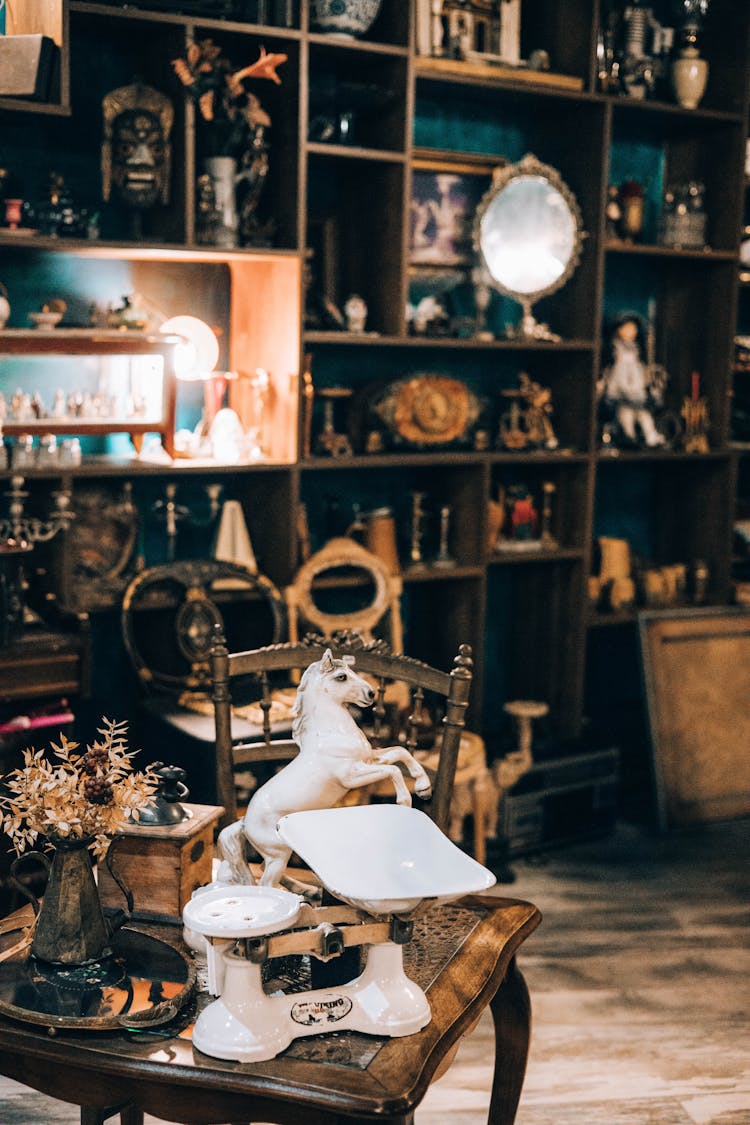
(477,966)
(373,659)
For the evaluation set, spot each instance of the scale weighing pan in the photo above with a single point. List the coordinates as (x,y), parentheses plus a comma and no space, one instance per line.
(384,859)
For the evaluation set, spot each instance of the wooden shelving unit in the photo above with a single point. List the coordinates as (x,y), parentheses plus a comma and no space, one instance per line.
(526,616)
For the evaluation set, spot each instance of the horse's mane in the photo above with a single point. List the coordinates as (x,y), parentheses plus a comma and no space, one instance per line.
(312,672)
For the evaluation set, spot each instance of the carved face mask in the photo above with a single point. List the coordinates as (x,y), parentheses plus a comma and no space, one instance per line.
(138,158)
(136,150)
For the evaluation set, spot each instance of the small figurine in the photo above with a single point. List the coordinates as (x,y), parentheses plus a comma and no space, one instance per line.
(613,211)
(444,560)
(416,529)
(695,416)
(632,202)
(208,215)
(527,425)
(629,385)
(520,526)
(355,311)
(538,410)
(524,520)
(331,443)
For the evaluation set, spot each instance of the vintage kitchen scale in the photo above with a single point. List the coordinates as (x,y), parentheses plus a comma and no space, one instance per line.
(384,863)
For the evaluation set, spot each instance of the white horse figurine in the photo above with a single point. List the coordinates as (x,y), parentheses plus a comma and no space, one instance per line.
(334,757)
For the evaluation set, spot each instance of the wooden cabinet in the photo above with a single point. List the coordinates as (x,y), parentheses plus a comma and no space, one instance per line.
(353,121)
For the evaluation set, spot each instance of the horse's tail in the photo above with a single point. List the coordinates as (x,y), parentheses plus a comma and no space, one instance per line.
(234,867)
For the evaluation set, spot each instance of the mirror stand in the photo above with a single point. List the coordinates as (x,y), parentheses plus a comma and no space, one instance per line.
(529,328)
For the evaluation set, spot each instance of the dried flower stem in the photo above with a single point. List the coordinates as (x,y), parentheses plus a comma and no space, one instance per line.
(80,796)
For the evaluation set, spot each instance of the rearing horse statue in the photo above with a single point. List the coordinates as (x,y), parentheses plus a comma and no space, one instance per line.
(334,757)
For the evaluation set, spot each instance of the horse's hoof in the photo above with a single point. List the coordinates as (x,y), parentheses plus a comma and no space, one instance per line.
(423,791)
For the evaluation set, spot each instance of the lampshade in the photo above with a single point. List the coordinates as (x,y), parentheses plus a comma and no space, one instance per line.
(198,355)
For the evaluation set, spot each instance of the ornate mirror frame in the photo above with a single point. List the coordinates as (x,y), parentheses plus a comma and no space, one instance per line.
(530,166)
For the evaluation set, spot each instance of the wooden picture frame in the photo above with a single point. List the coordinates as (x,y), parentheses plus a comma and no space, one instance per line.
(445,194)
(696,669)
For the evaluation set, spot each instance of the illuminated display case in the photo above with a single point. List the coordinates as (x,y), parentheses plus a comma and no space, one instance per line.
(131,388)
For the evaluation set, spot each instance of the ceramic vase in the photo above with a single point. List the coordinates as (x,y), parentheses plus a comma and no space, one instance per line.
(689,77)
(351,18)
(223,173)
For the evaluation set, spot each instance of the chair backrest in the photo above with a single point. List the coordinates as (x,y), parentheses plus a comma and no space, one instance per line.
(169,614)
(428,687)
(337,557)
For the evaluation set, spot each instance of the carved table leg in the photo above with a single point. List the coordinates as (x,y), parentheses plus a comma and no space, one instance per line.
(511,1013)
(129,1115)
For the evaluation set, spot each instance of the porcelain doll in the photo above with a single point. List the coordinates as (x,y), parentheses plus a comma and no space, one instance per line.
(627,384)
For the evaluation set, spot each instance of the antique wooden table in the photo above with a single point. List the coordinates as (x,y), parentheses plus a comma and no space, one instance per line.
(463,954)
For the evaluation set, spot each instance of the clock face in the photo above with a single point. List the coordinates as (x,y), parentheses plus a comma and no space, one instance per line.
(428,410)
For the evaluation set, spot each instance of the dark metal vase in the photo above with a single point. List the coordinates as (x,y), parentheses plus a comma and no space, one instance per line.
(70,928)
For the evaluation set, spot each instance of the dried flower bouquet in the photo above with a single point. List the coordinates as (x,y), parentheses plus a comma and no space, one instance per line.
(88,796)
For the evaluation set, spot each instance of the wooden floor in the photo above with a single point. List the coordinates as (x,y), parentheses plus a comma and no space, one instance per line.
(640,984)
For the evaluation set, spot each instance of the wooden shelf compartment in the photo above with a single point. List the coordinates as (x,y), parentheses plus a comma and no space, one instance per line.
(693,302)
(355,242)
(671,512)
(439,618)
(533,618)
(278,203)
(332,504)
(389,33)
(659,151)
(569,503)
(252,300)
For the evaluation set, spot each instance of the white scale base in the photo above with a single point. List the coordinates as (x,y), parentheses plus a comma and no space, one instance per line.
(246,1025)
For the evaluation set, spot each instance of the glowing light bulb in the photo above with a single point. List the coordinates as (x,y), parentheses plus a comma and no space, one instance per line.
(198,355)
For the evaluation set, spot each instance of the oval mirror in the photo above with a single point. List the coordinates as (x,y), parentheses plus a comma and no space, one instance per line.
(528,234)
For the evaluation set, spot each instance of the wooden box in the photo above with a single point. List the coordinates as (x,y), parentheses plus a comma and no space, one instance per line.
(560,801)
(26,63)
(162,866)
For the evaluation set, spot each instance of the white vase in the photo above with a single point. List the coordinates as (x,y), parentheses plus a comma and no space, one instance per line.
(223,173)
(689,77)
(345,18)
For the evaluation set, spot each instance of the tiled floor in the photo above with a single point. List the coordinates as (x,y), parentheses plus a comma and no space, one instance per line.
(640,985)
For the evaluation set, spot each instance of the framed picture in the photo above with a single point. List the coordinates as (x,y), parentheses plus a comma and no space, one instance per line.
(445,196)
(695,666)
